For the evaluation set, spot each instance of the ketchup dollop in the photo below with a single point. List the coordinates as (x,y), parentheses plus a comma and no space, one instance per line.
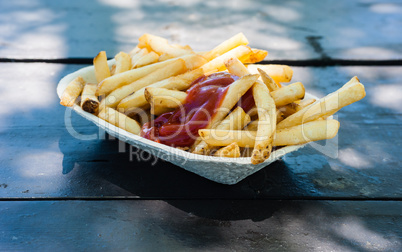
(180,127)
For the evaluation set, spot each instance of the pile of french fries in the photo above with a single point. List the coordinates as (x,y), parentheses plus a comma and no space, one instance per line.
(153,78)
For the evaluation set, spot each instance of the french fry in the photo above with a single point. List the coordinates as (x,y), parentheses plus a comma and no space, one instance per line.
(119,80)
(180,82)
(174,68)
(232,151)
(304,103)
(113,69)
(186,47)
(235,91)
(120,120)
(123,62)
(218,63)
(235,67)
(153,77)
(135,56)
(161,46)
(166,56)
(295,106)
(252,126)
(164,97)
(271,84)
(288,94)
(266,123)
(289,109)
(135,50)
(159,110)
(351,92)
(114,82)
(193,61)
(102,70)
(236,120)
(279,73)
(145,60)
(266,109)
(300,134)
(279,116)
(235,41)
(256,55)
(72,91)
(89,102)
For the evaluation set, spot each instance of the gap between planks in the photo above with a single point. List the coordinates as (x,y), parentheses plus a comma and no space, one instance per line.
(135,198)
(307,63)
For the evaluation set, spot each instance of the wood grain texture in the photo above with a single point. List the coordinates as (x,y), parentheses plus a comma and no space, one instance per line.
(287,29)
(47,151)
(255,225)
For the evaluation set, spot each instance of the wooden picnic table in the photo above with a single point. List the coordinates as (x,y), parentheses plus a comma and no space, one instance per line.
(61,193)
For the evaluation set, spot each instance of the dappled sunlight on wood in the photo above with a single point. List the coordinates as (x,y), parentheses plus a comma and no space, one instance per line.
(387,96)
(36,91)
(354,159)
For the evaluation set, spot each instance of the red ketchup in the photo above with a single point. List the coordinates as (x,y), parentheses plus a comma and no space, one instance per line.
(180,127)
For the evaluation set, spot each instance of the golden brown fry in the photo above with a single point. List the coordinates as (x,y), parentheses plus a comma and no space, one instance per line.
(279,73)
(127,77)
(304,103)
(252,126)
(163,97)
(180,82)
(113,70)
(174,68)
(301,134)
(120,120)
(102,70)
(135,50)
(289,109)
(295,106)
(227,45)
(193,61)
(161,46)
(72,91)
(232,151)
(236,120)
(235,91)
(145,60)
(135,56)
(235,67)
(351,92)
(165,56)
(271,84)
(288,94)
(218,63)
(89,102)
(123,62)
(255,56)
(266,123)
(266,109)
(159,110)
(279,116)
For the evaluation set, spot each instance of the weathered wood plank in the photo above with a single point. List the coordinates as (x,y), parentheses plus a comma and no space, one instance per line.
(287,29)
(201,225)
(40,157)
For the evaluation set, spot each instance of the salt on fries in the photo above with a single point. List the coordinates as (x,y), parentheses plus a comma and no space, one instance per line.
(159,78)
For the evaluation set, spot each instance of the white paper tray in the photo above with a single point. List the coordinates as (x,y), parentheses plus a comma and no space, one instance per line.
(219,169)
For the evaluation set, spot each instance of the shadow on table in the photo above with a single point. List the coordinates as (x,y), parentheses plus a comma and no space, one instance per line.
(200,213)
(109,172)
